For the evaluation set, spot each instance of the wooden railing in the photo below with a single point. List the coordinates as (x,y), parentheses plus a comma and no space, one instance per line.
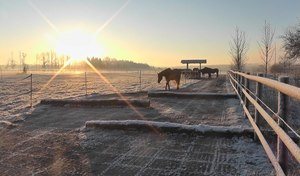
(240,83)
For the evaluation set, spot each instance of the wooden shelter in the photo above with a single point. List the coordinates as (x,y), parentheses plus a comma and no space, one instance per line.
(193,61)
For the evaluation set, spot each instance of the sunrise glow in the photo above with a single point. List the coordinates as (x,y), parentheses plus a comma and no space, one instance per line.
(78,44)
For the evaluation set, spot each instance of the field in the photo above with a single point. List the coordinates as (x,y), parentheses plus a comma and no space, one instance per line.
(15,98)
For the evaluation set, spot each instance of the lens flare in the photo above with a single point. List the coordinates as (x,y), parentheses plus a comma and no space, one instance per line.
(120,95)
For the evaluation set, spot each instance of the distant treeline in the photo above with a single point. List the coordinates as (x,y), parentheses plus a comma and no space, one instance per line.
(114,64)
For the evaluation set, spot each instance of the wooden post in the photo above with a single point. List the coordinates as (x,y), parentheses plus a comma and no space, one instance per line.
(258,93)
(31,90)
(85,82)
(1,74)
(282,155)
(239,82)
(200,73)
(242,84)
(247,87)
(140,80)
(236,79)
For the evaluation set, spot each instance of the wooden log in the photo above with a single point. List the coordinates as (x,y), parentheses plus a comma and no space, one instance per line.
(193,95)
(168,127)
(97,103)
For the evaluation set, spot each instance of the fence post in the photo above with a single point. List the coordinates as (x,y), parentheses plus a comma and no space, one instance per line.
(247,88)
(240,83)
(232,75)
(236,79)
(282,156)
(140,80)
(85,82)
(258,93)
(237,83)
(1,74)
(31,91)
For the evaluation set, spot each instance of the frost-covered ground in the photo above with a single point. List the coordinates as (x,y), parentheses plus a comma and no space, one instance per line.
(15,100)
(117,152)
(50,140)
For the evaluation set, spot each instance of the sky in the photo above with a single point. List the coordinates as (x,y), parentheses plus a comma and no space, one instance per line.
(157,32)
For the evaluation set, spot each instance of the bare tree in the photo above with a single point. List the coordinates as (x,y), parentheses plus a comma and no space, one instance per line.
(266,45)
(238,49)
(291,43)
(23,65)
(44,60)
(11,61)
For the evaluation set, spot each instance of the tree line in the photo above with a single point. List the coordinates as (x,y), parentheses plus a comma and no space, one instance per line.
(52,60)
(114,64)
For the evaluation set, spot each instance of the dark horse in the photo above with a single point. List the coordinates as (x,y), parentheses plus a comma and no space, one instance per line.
(209,71)
(170,74)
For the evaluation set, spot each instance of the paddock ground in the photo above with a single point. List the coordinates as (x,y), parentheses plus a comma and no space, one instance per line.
(52,141)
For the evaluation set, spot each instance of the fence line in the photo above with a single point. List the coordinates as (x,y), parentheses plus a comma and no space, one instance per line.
(237,80)
(276,114)
(138,75)
(28,92)
(289,90)
(259,134)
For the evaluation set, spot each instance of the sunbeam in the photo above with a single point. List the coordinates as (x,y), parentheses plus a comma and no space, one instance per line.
(43,16)
(55,75)
(111,18)
(120,95)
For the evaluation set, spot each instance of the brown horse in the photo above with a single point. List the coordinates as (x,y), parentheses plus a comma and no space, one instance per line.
(209,71)
(170,74)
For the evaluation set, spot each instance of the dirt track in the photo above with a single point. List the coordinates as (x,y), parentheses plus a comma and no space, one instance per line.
(49,141)
(210,85)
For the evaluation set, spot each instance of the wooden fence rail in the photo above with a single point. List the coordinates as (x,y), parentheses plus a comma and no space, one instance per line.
(240,83)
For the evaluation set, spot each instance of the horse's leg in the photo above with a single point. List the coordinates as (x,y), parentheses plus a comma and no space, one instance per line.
(178,82)
(217,73)
(166,85)
(209,75)
(169,85)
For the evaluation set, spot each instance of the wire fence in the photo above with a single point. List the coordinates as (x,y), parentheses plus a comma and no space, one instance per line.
(18,90)
(28,92)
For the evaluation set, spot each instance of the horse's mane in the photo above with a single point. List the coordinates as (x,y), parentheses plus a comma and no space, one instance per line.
(211,68)
(165,70)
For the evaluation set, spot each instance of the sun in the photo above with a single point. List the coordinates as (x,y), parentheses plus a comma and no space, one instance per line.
(78,44)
